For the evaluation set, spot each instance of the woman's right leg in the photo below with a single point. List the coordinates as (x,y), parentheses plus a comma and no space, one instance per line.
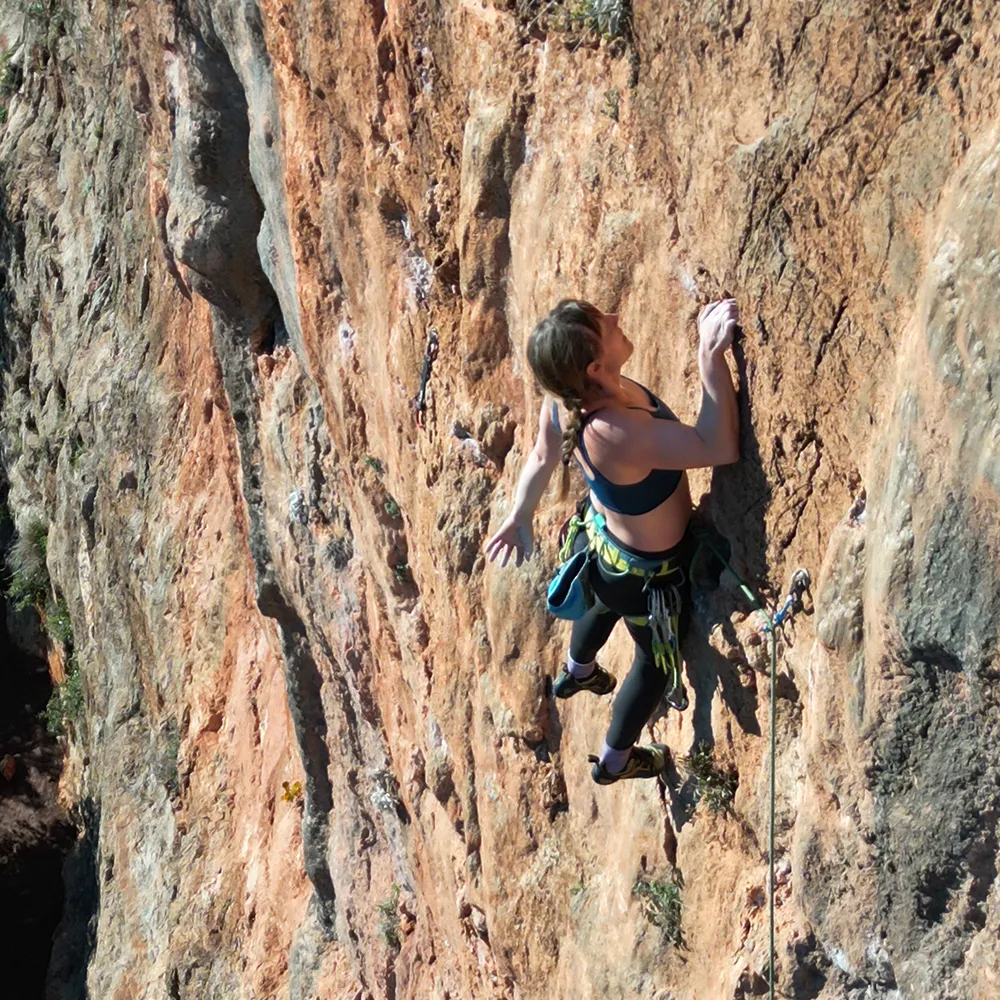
(581,672)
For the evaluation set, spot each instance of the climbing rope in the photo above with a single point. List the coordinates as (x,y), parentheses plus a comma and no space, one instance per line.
(800,583)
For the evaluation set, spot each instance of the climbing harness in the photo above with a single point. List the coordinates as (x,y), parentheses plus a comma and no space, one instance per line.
(570,595)
(430,354)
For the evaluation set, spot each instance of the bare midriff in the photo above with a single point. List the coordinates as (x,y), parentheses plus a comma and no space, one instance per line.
(662,527)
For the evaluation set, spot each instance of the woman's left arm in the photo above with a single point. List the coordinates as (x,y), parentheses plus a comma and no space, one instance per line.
(539,465)
(515,534)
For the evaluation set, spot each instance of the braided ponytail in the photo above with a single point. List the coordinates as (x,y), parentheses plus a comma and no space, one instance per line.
(570,439)
(560,349)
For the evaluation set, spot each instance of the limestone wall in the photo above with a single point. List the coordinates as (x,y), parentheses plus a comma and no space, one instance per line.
(228,231)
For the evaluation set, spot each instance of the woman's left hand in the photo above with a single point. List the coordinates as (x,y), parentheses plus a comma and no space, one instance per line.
(514,538)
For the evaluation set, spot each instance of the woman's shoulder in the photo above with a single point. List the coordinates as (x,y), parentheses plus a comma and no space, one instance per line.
(614,425)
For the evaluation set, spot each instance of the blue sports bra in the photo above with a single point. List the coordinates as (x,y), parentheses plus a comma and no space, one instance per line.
(634,498)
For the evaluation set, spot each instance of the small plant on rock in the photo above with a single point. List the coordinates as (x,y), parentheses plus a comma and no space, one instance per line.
(607,18)
(661,903)
(611,104)
(374,464)
(292,791)
(391,507)
(385,794)
(58,623)
(388,925)
(712,785)
(602,18)
(29,576)
(66,702)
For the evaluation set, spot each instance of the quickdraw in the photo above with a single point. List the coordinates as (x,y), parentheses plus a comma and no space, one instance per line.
(793,602)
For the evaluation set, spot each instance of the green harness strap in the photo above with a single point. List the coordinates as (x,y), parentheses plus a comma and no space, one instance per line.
(663,617)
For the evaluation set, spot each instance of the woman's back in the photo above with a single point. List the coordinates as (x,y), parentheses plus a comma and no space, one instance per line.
(647,506)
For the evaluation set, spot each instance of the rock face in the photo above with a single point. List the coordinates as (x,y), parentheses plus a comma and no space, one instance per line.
(319,755)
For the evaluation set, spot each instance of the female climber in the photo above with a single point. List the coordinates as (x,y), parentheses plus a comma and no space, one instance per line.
(633,453)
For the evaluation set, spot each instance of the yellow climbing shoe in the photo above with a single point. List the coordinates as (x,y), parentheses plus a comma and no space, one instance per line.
(643,762)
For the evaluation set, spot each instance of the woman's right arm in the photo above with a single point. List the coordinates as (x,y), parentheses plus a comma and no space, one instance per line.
(714,439)
(718,422)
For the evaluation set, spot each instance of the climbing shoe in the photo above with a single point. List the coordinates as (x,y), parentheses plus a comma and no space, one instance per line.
(643,762)
(599,682)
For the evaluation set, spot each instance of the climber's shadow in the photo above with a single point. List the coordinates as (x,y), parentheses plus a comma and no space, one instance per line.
(708,670)
(740,493)
(732,514)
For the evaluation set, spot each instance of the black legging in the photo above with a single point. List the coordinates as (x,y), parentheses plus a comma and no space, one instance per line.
(642,689)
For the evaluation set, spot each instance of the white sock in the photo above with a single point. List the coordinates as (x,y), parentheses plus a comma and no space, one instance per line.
(580,670)
(614,761)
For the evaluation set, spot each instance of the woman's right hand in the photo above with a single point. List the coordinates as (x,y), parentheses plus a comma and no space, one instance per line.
(514,538)
(717,323)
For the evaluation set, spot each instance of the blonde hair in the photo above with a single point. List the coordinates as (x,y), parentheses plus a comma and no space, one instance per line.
(560,349)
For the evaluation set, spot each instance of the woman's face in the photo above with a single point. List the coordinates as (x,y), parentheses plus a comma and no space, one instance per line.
(616,348)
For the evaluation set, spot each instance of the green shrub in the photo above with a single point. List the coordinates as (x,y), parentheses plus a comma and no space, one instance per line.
(391,507)
(66,702)
(29,576)
(373,463)
(10,76)
(712,785)
(661,903)
(402,571)
(36,10)
(58,623)
(50,14)
(388,924)
(607,18)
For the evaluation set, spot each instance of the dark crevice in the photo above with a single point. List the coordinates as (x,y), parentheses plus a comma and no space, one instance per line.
(212,178)
(76,936)
(35,832)
(272,334)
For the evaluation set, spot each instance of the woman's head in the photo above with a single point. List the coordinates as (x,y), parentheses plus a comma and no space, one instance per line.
(571,352)
(563,346)
(574,349)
